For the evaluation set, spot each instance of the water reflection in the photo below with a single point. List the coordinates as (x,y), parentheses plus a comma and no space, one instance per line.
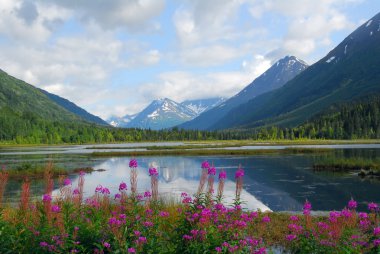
(275,182)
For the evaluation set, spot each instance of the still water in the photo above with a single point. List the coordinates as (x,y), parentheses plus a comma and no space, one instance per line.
(271,182)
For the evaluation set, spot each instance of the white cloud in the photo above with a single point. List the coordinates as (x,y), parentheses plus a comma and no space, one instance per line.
(310,23)
(209,56)
(182,85)
(134,15)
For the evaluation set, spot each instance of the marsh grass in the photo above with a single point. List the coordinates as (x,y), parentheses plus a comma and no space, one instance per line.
(337,164)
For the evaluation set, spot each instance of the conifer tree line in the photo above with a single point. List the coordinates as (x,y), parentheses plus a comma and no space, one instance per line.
(360,119)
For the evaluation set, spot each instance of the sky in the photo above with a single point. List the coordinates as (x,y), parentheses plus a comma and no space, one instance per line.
(114,57)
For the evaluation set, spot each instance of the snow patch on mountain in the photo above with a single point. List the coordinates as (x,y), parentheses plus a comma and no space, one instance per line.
(203,105)
(330,59)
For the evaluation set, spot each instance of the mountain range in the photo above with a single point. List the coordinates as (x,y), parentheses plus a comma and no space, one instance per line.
(165,113)
(349,71)
(289,94)
(276,76)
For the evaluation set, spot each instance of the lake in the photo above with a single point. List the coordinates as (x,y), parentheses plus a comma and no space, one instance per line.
(278,182)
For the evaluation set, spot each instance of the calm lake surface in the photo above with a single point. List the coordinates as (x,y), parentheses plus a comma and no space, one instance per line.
(276,182)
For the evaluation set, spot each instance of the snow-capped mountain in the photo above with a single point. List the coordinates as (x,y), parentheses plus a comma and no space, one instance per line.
(165,113)
(275,77)
(161,114)
(202,105)
(116,121)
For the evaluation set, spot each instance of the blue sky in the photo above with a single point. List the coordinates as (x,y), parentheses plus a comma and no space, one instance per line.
(115,57)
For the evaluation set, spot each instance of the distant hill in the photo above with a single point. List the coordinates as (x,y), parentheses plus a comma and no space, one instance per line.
(276,76)
(73,108)
(350,71)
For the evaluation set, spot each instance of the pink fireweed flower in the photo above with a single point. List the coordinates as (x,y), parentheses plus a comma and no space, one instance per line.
(44,244)
(373,207)
(139,197)
(352,204)
(346,213)
(122,186)
(117,196)
(98,189)
(294,218)
(290,237)
(307,205)
(205,165)
(153,172)
(187,200)
(137,233)
(133,163)
(187,237)
(66,182)
(306,208)
(107,245)
(76,191)
(148,224)
(295,228)
(218,249)
(141,240)
(211,171)
(131,250)
(363,215)
(376,242)
(266,219)
(164,214)
(46,198)
(194,232)
(184,194)
(262,250)
(376,231)
(55,209)
(106,191)
(114,222)
(147,194)
(222,175)
(364,224)
(239,173)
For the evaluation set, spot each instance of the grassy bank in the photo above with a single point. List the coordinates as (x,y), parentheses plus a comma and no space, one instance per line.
(347,164)
(132,222)
(35,171)
(204,152)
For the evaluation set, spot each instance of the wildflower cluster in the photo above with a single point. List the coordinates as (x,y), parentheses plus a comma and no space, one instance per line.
(144,222)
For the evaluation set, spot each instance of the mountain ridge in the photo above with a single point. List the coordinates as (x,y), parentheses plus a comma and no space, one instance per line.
(348,71)
(276,76)
(186,110)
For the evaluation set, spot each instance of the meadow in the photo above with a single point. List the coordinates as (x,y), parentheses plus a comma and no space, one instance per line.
(134,222)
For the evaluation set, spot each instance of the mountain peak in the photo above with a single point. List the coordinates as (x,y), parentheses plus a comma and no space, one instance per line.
(276,76)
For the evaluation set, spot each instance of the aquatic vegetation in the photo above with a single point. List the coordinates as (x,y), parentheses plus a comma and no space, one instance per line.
(133,222)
